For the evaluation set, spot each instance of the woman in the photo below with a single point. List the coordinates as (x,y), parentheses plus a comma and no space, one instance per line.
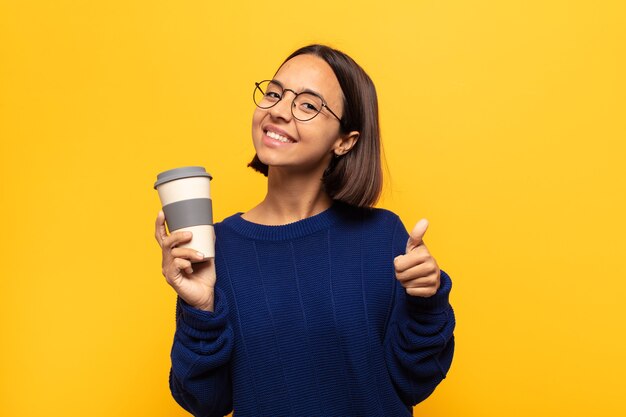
(316,303)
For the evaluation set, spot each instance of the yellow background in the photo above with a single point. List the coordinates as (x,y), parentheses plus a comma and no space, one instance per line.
(503,124)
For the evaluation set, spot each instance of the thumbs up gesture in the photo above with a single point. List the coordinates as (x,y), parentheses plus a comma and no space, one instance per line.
(417,270)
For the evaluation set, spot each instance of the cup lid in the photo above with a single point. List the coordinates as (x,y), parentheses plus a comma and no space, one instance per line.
(178,173)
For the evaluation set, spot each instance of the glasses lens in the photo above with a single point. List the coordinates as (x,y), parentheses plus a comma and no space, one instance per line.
(267,93)
(306,106)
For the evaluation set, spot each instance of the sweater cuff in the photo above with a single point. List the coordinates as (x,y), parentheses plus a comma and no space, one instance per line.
(203,324)
(438,303)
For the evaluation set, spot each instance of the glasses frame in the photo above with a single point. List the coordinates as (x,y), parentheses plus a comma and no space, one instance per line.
(295,95)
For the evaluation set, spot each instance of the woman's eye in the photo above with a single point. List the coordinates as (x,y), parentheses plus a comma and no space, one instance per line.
(272,95)
(309,107)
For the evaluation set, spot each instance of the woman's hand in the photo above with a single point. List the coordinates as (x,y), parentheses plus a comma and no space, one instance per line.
(417,270)
(194,283)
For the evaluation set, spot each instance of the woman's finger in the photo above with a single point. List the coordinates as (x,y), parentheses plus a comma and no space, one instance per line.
(423,282)
(415,257)
(187,253)
(159,228)
(176,239)
(183,265)
(424,292)
(173,272)
(418,271)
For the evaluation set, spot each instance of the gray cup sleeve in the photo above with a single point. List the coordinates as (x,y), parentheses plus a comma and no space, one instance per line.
(187,213)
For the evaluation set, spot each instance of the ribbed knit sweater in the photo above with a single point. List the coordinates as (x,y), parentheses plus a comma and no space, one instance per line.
(310,320)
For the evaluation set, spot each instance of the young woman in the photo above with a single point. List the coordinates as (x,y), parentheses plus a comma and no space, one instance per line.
(316,304)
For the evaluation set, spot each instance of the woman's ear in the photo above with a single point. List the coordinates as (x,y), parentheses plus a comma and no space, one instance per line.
(345,143)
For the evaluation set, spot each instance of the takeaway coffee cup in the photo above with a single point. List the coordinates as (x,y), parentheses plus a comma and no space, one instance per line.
(185,195)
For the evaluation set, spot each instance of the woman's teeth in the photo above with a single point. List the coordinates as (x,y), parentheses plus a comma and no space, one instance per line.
(278,137)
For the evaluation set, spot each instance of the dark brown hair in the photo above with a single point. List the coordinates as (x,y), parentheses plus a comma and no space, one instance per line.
(356,177)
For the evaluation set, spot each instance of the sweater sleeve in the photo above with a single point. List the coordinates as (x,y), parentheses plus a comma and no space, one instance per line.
(200,373)
(419,343)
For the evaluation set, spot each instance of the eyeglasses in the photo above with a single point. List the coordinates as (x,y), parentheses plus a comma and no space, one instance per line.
(304,106)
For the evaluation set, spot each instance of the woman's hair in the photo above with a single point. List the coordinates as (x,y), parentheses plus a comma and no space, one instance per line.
(356,177)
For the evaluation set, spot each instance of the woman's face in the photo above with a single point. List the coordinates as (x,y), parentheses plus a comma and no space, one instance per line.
(280,140)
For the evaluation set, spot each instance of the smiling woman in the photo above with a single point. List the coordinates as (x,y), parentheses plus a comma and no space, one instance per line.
(356,176)
(316,303)
(311,143)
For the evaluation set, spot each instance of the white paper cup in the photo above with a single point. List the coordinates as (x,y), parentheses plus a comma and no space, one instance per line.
(185,195)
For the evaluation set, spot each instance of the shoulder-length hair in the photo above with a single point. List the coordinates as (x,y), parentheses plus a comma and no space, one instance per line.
(356,177)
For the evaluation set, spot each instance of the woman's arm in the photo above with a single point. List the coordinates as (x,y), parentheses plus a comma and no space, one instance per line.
(419,342)
(200,374)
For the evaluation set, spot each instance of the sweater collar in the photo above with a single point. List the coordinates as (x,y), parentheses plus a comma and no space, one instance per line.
(297,229)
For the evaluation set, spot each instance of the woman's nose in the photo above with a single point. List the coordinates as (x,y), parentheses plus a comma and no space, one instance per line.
(282,109)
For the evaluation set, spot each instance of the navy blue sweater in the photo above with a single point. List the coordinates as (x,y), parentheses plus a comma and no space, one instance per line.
(310,320)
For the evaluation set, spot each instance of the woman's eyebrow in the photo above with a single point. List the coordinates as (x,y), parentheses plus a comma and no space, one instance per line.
(306,90)
(277,82)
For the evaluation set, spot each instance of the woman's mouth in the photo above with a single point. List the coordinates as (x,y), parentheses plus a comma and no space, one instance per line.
(278,137)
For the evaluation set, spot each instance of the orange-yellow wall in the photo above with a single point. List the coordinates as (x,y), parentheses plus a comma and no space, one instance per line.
(503,123)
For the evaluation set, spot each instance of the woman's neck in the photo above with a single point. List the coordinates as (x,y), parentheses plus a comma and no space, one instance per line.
(290,197)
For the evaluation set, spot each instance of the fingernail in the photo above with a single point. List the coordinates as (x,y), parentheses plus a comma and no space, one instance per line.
(200,254)
(187,234)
